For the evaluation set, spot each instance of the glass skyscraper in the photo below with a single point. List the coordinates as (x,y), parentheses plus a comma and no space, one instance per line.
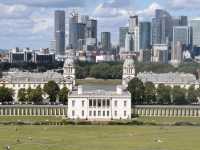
(145,35)
(162,27)
(60,32)
(106,40)
(122,36)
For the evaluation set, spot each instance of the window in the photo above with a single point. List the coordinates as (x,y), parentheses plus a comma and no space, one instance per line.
(115,113)
(83,113)
(83,102)
(115,103)
(108,103)
(124,113)
(104,103)
(108,113)
(99,113)
(73,113)
(125,103)
(94,113)
(90,113)
(94,103)
(90,103)
(104,113)
(99,103)
(73,103)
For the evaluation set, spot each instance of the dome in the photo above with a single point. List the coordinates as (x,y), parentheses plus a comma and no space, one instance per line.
(69,62)
(129,62)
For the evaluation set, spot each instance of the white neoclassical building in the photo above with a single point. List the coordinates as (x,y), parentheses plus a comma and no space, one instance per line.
(17,80)
(99,105)
(103,104)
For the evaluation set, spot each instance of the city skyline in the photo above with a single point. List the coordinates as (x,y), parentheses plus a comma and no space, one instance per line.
(31,24)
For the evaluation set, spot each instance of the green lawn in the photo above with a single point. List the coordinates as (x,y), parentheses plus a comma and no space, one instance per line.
(98,82)
(168,120)
(29,118)
(99,138)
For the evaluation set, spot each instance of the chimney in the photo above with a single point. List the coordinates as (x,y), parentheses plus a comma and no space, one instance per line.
(80,89)
(119,89)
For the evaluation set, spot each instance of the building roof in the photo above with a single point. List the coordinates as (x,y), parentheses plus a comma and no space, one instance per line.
(99,93)
(168,78)
(28,77)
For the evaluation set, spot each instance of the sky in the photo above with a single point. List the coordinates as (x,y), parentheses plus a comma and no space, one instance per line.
(30,23)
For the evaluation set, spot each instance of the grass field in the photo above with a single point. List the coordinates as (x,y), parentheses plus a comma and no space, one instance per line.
(99,138)
(169,120)
(29,118)
(98,82)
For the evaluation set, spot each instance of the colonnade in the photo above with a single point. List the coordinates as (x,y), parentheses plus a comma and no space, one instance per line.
(166,111)
(33,110)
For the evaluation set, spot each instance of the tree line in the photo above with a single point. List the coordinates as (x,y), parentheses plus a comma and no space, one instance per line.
(51,89)
(148,94)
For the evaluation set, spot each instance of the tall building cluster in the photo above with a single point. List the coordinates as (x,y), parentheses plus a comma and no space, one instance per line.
(164,39)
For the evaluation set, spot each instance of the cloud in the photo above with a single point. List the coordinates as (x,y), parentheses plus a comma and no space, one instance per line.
(114,8)
(150,10)
(184,4)
(14,11)
(46,3)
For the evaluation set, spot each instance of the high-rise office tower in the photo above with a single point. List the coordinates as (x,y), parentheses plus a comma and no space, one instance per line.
(183,21)
(91,34)
(195,24)
(145,35)
(73,25)
(60,32)
(180,40)
(132,35)
(162,27)
(106,40)
(122,36)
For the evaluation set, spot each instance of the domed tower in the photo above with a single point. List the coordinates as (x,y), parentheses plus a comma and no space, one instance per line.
(69,70)
(128,71)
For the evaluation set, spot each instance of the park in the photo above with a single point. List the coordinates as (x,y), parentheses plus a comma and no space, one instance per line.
(98,137)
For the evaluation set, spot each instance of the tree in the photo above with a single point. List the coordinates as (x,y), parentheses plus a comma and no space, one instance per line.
(163,94)
(63,95)
(179,96)
(149,93)
(192,94)
(6,94)
(29,93)
(37,95)
(52,89)
(22,95)
(136,88)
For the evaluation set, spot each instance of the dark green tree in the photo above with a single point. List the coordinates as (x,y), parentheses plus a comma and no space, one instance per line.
(192,95)
(63,95)
(136,88)
(163,94)
(29,95)
(6,94)
(52,89)
(22,95)
(37,95)
(149,93)
(179,96)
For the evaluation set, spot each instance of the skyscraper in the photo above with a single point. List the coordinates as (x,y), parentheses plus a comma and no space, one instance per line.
(145,35)
(132,37)
(183,21)
(162,27)
(106,40)
(195,24)
(180,40)
(73,27)
(60,32)
(122,36)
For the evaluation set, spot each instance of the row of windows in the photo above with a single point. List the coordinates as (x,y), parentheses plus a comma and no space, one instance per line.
(99,103)
(98,113)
